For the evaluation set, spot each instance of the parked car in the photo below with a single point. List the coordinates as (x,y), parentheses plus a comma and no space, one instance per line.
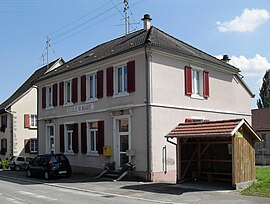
(49,165)
(19,162)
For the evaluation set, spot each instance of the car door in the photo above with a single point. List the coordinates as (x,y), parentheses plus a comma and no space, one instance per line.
(34,167)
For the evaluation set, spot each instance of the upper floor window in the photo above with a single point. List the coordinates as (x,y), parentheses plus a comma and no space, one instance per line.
(3,123)
(91,90)
(68,92)
(49,96)
(33,121)
(121,79)
(196,82)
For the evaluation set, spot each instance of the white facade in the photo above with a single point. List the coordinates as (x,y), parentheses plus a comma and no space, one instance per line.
(127,118)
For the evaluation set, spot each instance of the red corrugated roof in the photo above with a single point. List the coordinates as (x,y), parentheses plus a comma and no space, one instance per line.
(212,128)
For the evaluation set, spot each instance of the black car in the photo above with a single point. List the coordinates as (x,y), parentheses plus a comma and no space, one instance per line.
(48,165)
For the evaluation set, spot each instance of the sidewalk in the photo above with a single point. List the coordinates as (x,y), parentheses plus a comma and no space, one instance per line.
(156,192)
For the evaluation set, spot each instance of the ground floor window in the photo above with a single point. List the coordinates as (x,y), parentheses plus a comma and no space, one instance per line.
(33,145)
(92,138)
(68,137)
(50,139)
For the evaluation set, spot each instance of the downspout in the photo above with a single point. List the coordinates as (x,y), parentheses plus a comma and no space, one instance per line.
(148,114)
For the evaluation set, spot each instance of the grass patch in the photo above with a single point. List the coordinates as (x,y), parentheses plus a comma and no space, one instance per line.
(262,186)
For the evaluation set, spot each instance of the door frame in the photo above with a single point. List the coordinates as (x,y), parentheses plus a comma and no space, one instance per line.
(116,138)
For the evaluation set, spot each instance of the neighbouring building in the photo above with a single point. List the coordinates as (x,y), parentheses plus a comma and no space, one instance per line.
(125,95)
(261,124)
(18,118)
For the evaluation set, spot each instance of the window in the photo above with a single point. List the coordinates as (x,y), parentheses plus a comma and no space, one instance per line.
(264,140)
(91,90)
(121,79)
(68,91)
(92,137)
(50,139)
(196,82)
(33,145)
(49,96)
(68,138)
(3,123)
(33,121)
(3,146)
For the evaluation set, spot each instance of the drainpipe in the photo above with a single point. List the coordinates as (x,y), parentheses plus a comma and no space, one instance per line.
(148,114)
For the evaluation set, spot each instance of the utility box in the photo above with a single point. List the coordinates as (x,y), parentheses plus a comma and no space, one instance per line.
(107,151)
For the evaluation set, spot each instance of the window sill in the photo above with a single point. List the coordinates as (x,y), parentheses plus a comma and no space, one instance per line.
(196,96)
(49,107)
(122,94)
(68,104)
(69,153)
(92,154)
(91,100)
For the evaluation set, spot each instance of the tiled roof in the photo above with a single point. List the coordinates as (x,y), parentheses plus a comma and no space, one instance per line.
(260,119)
(225,128)
(153,37)
(25,86)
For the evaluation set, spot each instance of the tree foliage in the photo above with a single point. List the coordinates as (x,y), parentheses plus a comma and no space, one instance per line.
(264,100)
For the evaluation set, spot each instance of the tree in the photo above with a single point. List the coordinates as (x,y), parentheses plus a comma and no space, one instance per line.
(264,100)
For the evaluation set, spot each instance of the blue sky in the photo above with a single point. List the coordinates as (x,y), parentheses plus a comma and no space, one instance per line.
(239,28)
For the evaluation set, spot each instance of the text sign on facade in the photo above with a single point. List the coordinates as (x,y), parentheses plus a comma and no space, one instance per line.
(81,108)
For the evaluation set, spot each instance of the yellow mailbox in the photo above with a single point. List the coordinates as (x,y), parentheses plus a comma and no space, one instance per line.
(107,151)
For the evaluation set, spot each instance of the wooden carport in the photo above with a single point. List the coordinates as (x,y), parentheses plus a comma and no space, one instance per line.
(216,150)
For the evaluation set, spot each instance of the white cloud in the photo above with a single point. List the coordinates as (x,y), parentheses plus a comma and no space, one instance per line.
(248,21)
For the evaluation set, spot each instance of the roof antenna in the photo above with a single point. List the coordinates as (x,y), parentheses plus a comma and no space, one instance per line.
(47,50)
(126,16)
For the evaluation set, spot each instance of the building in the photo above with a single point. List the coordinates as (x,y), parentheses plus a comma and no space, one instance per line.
(127,94)
(18,118)
(261,124)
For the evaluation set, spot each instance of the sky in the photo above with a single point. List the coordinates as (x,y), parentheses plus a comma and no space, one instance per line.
(238,28)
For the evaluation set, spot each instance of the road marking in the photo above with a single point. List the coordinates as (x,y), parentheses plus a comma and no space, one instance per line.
(14,201)
(36,195)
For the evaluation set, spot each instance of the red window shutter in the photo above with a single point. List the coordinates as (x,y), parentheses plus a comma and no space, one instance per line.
(100,138)
(188,80)
(55,95)
(83,88)
(84,138)
(75,144)
(100,84)
(206,84)
(62,141)
(26,145)
(26,121)
(109,76)
(61,93)
(75,90)
(188,120)
(131,76)
(44,97)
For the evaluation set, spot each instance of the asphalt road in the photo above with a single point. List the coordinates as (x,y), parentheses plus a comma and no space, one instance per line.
(23,192)
(15,187)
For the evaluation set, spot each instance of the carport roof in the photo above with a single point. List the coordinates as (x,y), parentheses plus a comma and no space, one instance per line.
(222,128)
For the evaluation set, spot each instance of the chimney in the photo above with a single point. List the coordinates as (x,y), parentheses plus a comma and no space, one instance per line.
(226,58)
(146,20)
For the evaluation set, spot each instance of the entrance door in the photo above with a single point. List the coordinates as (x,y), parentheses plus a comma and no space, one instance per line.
(50,139)
(122,140)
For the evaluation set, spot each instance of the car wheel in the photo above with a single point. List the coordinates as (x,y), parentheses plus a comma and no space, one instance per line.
(29,173)
(17,168)
(46,175)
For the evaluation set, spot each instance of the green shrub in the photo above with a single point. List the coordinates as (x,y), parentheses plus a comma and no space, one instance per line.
(5,164)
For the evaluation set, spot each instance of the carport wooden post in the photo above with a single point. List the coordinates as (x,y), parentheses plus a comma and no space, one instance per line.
(233,161)
(178,159)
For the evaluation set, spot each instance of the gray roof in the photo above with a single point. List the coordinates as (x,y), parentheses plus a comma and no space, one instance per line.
(25,87)
(153,37)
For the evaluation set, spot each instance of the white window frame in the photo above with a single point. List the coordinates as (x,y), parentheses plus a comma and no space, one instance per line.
(35,121)
(66,135)
(124,81)
(90,86)
(66,91)
(197,83)
(35,142)
(49,137)
(49,97)
(89,141)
